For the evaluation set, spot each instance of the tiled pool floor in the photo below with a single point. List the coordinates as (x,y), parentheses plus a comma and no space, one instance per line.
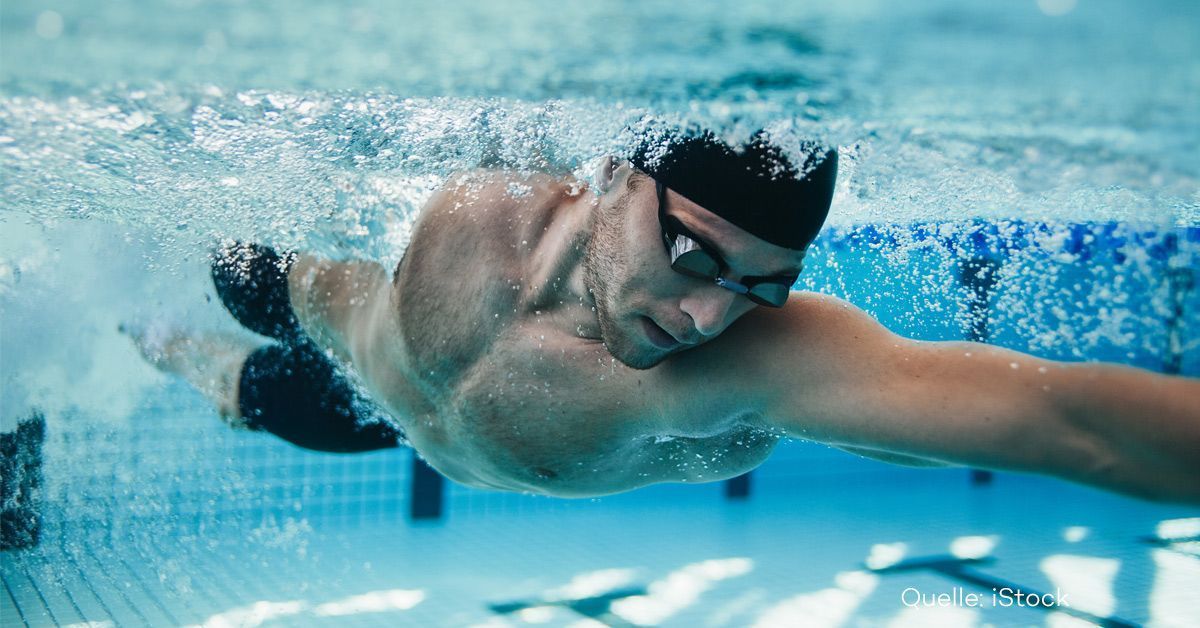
(789,556)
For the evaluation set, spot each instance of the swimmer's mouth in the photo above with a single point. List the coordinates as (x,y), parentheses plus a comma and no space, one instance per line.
(657,335)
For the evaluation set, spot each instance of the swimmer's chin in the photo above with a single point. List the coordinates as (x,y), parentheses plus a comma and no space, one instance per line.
(640,361)
(635,355)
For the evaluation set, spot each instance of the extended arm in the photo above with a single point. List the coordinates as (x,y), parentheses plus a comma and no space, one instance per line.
(843,379)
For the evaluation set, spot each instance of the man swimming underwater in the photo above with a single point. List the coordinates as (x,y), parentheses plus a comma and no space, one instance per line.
(541,335)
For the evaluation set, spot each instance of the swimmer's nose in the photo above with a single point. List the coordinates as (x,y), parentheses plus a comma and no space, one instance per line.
(709,309)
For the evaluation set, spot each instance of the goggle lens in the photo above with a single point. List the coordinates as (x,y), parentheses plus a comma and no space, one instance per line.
(696,263)
(769,294)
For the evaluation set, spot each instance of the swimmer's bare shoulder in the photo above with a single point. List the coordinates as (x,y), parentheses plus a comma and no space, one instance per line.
(465,278)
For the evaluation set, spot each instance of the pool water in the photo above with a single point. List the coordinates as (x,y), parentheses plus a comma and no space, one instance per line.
(1054,140)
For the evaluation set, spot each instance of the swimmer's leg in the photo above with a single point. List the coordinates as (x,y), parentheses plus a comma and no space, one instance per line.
(292,391)
(211,362)
(297,393)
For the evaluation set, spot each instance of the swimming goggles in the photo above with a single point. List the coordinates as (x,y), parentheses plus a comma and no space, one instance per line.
(689,256)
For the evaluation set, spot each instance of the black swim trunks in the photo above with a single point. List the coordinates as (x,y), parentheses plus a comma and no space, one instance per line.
(290,388)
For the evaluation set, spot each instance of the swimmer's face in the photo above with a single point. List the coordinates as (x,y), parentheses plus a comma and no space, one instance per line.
(646,310)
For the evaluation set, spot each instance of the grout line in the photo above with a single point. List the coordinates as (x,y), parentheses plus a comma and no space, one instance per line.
(150,593)
(65,592)
(18,570)
(70,559)
(25,572)
(13,598)
(120,591)
(258,583)
(225,597)
(200,562)
(186,600)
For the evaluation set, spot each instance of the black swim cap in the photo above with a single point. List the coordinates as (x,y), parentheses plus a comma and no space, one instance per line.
(755,186)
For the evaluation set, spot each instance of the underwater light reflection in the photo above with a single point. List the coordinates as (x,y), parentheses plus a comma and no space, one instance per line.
(679,589)
(826,608)
(1087,579)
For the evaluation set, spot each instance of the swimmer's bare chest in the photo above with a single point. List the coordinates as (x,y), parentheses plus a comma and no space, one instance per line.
(519,400)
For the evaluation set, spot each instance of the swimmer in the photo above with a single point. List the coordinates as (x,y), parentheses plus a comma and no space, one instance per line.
(586,339)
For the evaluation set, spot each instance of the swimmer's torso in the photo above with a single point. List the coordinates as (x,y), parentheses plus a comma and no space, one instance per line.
(492,366)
